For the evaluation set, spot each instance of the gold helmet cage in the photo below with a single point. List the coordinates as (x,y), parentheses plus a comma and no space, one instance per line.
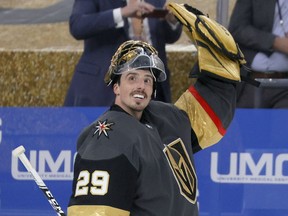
(133,55)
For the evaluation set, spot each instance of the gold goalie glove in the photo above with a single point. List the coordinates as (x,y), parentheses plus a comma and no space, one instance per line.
(218,54)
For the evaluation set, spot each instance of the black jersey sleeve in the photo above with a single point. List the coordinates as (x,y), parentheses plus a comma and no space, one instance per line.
(102,187)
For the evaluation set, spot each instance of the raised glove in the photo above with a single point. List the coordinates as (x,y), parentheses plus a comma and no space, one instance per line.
(218,54)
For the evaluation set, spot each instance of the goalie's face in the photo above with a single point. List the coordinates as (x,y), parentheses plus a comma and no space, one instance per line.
(134,91)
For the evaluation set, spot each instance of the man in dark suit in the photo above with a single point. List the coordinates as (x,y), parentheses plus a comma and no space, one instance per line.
(260,28)
(104,25)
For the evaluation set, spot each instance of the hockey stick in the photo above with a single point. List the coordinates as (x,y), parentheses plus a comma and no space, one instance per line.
(19,152)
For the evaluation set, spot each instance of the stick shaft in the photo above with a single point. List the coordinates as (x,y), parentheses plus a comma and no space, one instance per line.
(41,184)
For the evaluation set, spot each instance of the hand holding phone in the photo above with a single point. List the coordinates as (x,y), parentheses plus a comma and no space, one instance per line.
(156,13)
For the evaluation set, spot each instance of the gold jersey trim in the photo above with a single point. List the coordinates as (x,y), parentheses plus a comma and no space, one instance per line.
(95,210)
(207,132)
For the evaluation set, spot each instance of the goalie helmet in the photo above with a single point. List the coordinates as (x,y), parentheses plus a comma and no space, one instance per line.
(133,55)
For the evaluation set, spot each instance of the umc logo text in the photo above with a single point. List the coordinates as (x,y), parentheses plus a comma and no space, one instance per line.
(59,167)
(244,168)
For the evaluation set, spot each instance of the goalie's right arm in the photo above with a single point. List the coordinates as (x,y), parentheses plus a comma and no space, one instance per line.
(210,103)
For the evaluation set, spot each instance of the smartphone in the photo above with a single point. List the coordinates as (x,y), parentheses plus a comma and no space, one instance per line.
(157,13)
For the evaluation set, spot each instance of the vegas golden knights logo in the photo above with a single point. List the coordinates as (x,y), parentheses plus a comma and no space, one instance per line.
(182,168)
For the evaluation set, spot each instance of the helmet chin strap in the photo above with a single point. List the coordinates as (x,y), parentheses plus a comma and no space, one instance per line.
(155,93)
(154,77)
(154,84)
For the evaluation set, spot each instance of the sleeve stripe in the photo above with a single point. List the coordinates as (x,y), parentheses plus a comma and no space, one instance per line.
(208,110)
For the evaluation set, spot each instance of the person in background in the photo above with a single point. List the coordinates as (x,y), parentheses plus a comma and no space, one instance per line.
(137,158)
(103,26)
(261,30)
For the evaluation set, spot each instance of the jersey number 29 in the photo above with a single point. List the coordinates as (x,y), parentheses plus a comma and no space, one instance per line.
(99,183)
